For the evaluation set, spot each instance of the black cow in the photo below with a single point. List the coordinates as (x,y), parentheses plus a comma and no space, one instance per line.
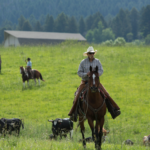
(61,127)
(13,125)
(2,127)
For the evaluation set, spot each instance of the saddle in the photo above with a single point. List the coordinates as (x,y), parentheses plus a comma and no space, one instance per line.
(29,72)
(82,97)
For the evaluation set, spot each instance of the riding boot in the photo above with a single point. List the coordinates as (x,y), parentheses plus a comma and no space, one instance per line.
(31,74)
(73,112)
(112,107)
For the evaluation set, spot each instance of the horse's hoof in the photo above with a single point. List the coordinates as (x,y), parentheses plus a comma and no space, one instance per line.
(84,146)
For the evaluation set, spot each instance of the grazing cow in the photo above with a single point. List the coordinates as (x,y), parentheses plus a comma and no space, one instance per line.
(61,127)
(129,142)
(2,127)
(13,125)
(146,140)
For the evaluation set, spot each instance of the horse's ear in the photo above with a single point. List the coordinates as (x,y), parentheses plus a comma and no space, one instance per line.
(96,68)
(90,69)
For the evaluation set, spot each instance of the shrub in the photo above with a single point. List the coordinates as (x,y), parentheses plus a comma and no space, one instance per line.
(120,41)
(147,39)
(108,43)
(137,42)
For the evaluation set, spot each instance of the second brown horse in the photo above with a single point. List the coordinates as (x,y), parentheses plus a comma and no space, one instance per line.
(25,76)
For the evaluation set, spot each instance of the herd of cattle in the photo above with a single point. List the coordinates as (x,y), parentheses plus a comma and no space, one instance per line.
(60,127)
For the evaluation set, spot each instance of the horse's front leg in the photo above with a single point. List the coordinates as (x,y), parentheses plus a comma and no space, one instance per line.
(91,124)
(100,133)
(81,122)
(24,84)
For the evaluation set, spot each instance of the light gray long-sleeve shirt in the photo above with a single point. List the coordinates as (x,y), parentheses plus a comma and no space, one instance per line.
(84,68)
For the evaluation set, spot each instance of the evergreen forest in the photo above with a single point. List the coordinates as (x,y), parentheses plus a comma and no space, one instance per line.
(96,20)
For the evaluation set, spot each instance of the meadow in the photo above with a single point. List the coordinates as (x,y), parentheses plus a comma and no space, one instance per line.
(126,77)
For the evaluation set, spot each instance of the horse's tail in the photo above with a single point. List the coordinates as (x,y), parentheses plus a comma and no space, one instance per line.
(41,77)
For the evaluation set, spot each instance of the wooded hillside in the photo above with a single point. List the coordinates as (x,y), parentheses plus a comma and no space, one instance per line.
(11,10)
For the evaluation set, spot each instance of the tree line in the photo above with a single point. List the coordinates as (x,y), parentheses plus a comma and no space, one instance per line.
(11,9)
(130,25)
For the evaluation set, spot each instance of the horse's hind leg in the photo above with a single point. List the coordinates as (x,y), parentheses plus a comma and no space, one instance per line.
(82,131)
(39,81)
(35,81)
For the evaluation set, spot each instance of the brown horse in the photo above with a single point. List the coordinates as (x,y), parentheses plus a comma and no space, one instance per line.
(25,76)
(92,108)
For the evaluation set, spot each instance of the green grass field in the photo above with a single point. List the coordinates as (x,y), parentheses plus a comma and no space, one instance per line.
(126,77)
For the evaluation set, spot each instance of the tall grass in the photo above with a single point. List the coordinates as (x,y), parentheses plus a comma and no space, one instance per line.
(126,77)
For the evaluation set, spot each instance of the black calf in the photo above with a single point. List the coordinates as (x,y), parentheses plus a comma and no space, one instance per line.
(61,127)
(13,125)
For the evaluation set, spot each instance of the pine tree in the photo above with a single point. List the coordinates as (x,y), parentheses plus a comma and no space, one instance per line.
(121,24)
(145,21)
(81,26)
(32,20)
(21,21)
(61,23)
(72,25)
(27,26)
(134,19)
(38,26)
(49,24)
(89,22)
(96,19)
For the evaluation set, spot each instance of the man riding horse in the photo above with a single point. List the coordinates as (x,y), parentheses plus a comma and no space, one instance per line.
(84,72)
(29,68)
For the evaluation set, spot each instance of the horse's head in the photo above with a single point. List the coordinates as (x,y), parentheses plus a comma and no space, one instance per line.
(21,69)
(93,79)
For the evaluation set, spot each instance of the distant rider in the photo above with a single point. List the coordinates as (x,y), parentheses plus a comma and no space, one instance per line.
(29,67)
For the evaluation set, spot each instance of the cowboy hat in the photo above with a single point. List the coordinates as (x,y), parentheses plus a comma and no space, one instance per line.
(89,50)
